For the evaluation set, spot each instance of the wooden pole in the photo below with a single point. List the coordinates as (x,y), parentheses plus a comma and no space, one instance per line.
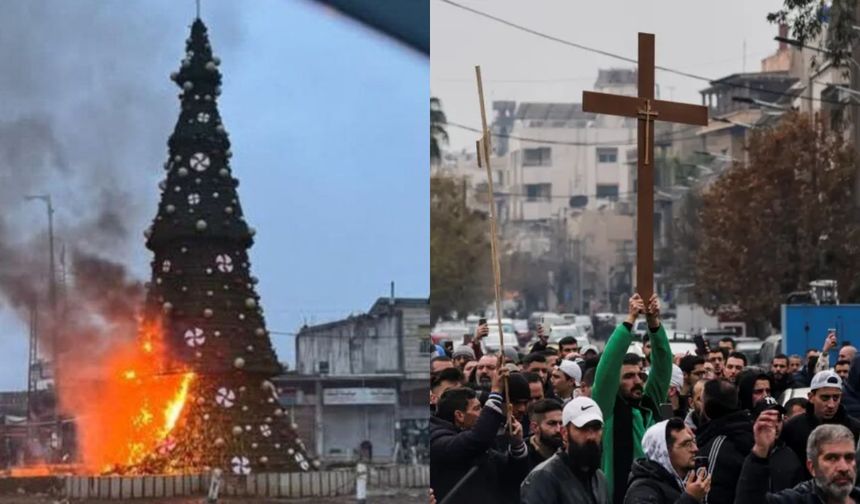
(484,150)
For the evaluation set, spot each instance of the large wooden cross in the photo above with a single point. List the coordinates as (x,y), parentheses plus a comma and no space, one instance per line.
(647,110)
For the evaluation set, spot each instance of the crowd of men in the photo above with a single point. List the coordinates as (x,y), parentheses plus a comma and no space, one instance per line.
(562,424)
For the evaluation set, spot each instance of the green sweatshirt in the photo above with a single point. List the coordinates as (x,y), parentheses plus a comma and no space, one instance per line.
(607,380)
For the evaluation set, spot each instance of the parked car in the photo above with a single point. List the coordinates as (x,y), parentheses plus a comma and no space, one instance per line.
(751,349)
(772,345)
(449,331)
(558,332)
(492,342)
(792,393)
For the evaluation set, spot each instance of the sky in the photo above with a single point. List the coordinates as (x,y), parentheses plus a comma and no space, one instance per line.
(328,125)
(709,39)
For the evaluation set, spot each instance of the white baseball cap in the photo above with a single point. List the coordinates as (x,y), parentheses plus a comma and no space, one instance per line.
(824,379)
(571,369)
(677,379)
(580,411)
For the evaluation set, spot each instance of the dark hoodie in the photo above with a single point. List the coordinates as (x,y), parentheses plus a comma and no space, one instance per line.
(651,483)
(746,384)
(796,431)
(726,441)
(851,390)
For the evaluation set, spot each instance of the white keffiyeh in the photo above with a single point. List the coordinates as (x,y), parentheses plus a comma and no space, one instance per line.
(655,448)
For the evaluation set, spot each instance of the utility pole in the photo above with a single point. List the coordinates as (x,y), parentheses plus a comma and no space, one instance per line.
(52,300)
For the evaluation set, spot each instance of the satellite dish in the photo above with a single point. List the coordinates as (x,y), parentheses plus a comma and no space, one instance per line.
(578,201)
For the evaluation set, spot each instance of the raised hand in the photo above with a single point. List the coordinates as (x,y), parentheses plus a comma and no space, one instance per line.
(829,342)
(499,377)
(634,307)
(652,314)
(698,485)
(764,432)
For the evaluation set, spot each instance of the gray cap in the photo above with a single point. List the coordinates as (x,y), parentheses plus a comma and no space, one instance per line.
(463,351)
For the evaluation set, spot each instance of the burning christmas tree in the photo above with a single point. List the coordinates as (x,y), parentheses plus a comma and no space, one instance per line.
(202,307)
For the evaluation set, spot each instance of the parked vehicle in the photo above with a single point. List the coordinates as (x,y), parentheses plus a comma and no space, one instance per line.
(449,331)
(558,332)
(492,342)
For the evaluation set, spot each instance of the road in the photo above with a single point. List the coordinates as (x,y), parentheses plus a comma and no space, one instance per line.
(375,496)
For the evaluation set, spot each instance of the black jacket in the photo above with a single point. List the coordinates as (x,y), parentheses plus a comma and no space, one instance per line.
(726,442)
(453,452)
(651,483)
(786,471)
(796,431)
(752,487)
(851,390)
(780,386)
(553,482)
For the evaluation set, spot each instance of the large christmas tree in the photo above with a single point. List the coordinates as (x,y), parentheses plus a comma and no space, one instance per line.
(202,296)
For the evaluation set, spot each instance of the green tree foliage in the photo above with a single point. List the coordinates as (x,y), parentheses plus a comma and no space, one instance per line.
(808,20)
(785,218)
(438,134)
(460,269)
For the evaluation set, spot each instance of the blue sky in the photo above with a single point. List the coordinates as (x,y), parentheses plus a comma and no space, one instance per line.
(328,124)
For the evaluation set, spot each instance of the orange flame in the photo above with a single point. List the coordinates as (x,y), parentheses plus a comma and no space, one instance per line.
(130,407)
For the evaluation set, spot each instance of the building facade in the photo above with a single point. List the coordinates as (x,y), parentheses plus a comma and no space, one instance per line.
(364,379)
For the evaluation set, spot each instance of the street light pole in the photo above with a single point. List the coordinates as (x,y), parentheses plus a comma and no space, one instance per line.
(52,300)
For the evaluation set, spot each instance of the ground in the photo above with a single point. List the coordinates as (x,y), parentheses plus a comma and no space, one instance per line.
(376,496)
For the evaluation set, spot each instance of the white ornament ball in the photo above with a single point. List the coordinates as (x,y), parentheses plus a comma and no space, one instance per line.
(167,307)
(228,210)
(183,249)
(250,303)
(270,400)
(198,355)
(219,442)
(239,363)
(174,75)
(201,225)
(148,232)
(208,313)
(210,66)
(208,271)
(249,348)
(201,401)
(223,172)
(177,158)
(316,463)
(254,446)
(182,172)
(184,288)
(264,459)
(210,293)
(268,419)
(188,85)
(248,428)
(217,333)
(206,416)
(244,408)
(207,97)
(277,446)
(162,185)
(216,60)
(158,280)
(220,128)
(242,388)
(237,430)
(252,231)
(294,426)
(170,209)
(215,195)
(290,451)
(241,316)
(260,331)
(279,412)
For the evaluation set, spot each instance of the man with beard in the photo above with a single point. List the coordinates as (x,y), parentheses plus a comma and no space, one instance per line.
(725,439)
(571,476)
(735,364)
(695,418)
(545,425)
(462,435)
(825,397)
(780,379)
(786,471)
(535,387)
(842,368)
(485,371)
(717,357)
(665,475)
(567,346)
(830,458)
(794,364)
(629,399)
(462,355)
(753,386)
(536,363)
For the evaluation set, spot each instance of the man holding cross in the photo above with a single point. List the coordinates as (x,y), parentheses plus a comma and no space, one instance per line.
(630,404)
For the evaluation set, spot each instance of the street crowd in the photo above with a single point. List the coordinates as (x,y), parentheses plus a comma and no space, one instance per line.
(616,427)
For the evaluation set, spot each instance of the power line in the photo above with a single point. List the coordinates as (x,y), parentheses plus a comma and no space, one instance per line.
(631,60)
(579,144)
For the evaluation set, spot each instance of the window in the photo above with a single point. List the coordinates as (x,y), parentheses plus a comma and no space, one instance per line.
(607,155)
(607,191)
(542,156)
(537,192)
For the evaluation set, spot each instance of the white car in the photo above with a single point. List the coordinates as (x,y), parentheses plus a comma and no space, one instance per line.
(558,332)
(449,331)
(492,342)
